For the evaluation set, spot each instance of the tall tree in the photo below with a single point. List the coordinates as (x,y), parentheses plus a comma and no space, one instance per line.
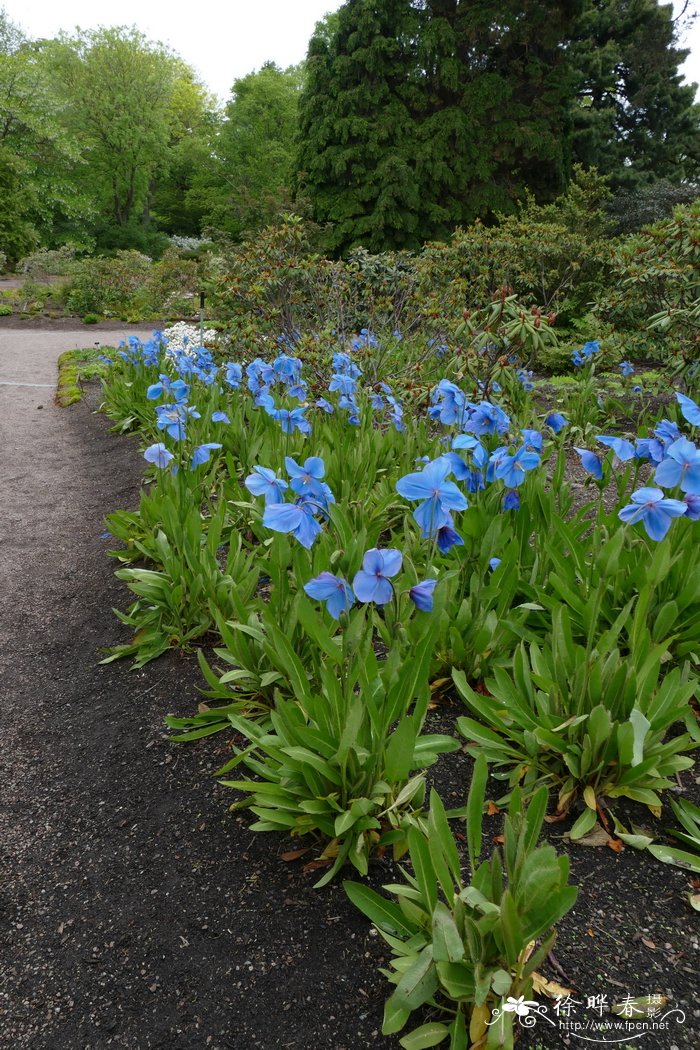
(247,182)
(117,91)
(422,114)
(357,126)
(635,119)
(35,154)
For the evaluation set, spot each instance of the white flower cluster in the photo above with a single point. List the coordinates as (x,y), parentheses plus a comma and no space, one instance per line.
(186,244)
(183,338)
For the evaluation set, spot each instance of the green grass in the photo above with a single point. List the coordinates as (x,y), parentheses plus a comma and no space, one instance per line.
(76,367)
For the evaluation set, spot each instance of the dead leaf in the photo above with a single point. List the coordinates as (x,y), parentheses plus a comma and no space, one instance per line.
(294,854)
(555,818)
(499,839)
(541,986)
(615,844)
(649,944)
(597,836)
(492,809)
(590,932)
(314,865)
(438,683)
(202,708)
(694,901)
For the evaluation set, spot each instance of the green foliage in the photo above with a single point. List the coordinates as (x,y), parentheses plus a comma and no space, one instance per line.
(336,761)
(76,367)
(655,280)
(130,284)
(633,119)
(583,719)
(461,947)
(248,184)
(174,601)
(393,156)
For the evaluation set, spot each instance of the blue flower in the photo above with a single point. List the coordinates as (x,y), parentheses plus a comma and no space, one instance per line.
(511,500)
(343,383)
(692,502)
(512,469)
(488,419)
(325,405)
(264,482)
(438,495)
(220,417)
(333,590)
(171,419)
(624,450)
(448,538)
(234,375)
(494,563)
(556,422)
(591,463)
(297,518)
(680,467)
(421,594)
(158,455)
(202,453)
(532,439)
(689,410)
(306,480)
(371,583)
(294,420)
(651,507)
(627,368)
(448,403)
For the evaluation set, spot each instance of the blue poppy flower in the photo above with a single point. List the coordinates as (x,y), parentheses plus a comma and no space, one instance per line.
(590,463)
(511,500)
(651,507)
(512,469)
(371,583)
(220,417)
(556,422)
(494,563)
(234,375)
(325,405)
(306,480)
(159,455)
(689,410)
(333,590)
(680,467)
(532,439)
(294,420)
(448,538)
(488,419)
(297,518)
(438,496)
(692,502)
(264,482)
(627,368)
(624,450)
(202,453)
(421,594)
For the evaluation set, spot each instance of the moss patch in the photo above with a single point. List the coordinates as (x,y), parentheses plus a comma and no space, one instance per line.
(76,367)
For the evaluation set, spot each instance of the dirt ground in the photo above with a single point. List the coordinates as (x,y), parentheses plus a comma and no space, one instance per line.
(135,910)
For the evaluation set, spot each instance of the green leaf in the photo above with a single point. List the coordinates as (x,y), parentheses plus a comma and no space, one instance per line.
(425,1036)
(671,855)
(475,809)
(584,824)
(382,912)
(419,983)
(447,943)
(395,1017)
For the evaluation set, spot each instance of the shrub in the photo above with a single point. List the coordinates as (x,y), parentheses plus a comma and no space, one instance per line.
(583,720)
(463,947)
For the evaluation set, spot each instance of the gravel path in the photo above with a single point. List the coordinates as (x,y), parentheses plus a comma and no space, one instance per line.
(135,912)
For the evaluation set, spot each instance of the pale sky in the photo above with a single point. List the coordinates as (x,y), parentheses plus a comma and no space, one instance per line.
(222,39)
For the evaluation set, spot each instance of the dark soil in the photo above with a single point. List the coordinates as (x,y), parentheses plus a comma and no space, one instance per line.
(135,910)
